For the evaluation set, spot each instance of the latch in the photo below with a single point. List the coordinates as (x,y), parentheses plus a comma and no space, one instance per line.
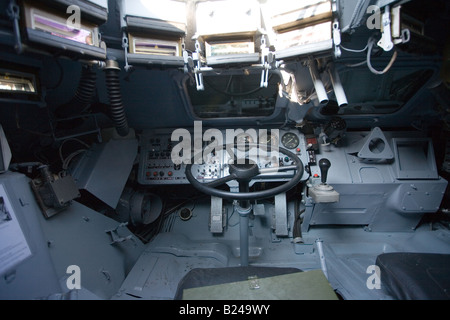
(391,32)
(336,39)
(125,45)
(187,59)
(398,35)
(267,61)
(196,56)
(13,12)
(386,38)
(53,192)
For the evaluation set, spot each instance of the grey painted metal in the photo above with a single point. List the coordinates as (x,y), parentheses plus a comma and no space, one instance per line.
(415,158)
(47,39)
(93,9)
(105,168)
(243,239)
(349,251)
(216,215)
(36,277)
(371,193)
(244,232)
(352,13)
(323,263)
(155,60)
(166,260)
(233,58)
(5,152)
(166,16)
(381,206)
(79,236)
(281,221)
(306,50)
(373,147)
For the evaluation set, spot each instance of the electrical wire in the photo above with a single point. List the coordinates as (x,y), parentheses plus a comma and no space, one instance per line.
(371,42)
(354,50)
(166,221)
(367,61)
(353,65)
(67,140)
(297,232)
(240,94)
(229,218)
(66,161)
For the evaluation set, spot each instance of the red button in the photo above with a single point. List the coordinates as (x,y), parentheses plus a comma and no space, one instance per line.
(298,149)
(170,173)
(316,175)
(155,173)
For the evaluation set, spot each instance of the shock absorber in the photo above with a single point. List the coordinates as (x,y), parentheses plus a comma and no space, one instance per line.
(117,110)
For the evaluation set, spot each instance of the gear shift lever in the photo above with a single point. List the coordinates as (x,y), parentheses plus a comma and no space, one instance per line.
(323,192)
(324,165)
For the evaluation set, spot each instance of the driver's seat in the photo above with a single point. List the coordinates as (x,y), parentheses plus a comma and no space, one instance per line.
(254,283)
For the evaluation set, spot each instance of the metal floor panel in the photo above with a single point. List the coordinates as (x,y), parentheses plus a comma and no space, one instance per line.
(349,253)
(165,261)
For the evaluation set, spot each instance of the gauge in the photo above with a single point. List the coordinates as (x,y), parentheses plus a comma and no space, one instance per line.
(243,141)
(290,140)
(268,140)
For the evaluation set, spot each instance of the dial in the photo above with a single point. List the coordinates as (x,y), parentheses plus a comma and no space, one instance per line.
(290,140)
(268,138)
(243,141)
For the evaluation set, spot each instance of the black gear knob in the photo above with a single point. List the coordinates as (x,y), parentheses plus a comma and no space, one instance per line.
(324,165)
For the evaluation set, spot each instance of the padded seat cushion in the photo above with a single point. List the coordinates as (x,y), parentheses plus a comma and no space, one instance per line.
(202,277)
(418,276)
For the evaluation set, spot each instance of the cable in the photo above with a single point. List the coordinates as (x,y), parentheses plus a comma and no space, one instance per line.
(165,221)
(354,50)
(67,161)
(229,218)
(369,47)
(70,139)
(297,230)
(240,94)
(356,64)
(369,52)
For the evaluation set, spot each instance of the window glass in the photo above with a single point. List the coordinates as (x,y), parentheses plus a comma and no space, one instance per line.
(234,95)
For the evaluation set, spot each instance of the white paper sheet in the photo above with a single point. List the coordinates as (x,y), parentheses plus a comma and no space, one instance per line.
(13,245)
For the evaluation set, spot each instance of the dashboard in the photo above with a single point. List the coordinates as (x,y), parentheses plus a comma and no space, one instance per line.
(159,154)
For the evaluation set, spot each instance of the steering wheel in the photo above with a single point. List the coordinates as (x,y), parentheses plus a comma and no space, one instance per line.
(243,174)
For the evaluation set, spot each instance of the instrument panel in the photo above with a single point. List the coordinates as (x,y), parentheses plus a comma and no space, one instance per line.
(159,163)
